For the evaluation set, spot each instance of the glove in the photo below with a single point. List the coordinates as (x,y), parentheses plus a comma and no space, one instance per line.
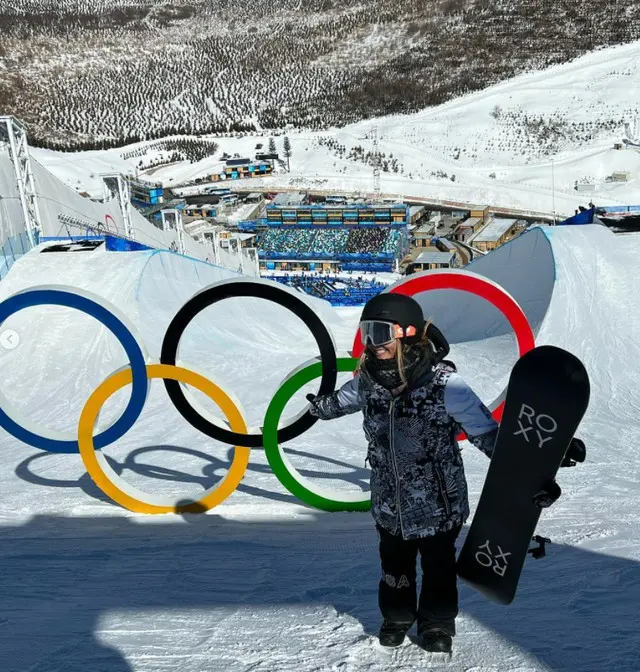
(548,495)
(576,452)
(451,364)
(311,398)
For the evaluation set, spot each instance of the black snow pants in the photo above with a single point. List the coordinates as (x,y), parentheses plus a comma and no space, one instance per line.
(437,606)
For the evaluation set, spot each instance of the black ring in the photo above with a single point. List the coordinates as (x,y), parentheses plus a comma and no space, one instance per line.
(226,290)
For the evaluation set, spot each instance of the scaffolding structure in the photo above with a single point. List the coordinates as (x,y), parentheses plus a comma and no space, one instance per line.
(376,162)
(172,221)
(14,133)
(115,186)
(13,138)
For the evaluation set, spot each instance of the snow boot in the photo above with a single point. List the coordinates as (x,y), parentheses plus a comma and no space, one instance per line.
(435,640)
(392,634)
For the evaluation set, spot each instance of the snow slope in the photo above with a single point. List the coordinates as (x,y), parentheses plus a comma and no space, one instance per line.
(64,212)
(264,583)
(451,151)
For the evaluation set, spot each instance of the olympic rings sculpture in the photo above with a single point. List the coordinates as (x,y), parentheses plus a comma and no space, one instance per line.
(272,434)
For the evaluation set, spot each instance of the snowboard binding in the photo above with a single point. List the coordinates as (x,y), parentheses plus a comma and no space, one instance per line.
(576,452)
(539,551)
(549,494)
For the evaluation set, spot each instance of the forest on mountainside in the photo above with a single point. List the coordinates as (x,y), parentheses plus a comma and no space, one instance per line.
(110,72)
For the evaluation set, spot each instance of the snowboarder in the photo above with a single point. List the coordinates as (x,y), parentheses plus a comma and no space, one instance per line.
(414,406)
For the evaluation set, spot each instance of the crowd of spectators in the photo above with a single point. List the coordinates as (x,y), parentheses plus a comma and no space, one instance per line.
(390,243)
(366,240)
(327,241)
(330,242)
(339,291)
(287,240)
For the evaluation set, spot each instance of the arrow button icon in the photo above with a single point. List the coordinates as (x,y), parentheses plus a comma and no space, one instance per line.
(9,339)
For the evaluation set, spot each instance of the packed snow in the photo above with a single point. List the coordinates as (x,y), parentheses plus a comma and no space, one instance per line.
(263,582)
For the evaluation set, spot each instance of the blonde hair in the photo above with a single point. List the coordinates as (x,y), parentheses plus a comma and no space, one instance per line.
(424,342)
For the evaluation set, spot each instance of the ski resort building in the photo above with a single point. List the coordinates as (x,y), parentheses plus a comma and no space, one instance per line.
(429,260)
(396,215)
(496,233)
(246,169)
(292,200)
(422,235)
(144,194)
(204,210)
(480,212)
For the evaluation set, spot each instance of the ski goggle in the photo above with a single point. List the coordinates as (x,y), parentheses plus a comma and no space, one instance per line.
(375,332)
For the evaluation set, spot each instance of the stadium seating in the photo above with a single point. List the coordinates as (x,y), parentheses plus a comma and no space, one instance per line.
(326,241)
(390,244)
(287,240)
(339,291)
(366,241)
(329,243)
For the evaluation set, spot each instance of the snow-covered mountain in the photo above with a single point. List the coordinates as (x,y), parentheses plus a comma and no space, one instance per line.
(83,73)
(523,143)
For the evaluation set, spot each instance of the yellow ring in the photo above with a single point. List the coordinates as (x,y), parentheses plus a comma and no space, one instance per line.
(126,495)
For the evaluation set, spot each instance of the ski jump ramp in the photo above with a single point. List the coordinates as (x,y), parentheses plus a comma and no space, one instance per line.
(65,213)
(264,582)
(576,284)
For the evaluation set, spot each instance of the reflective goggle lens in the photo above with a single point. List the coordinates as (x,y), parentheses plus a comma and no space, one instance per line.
(376,333)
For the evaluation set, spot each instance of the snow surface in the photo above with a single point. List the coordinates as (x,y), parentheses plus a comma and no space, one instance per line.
(263,583)
(594,89)
(64,212)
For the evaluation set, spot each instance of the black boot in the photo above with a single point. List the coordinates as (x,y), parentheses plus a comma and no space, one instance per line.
(435,640)
(392,633)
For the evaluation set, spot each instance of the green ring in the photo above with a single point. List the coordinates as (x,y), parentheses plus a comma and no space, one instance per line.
(285,472)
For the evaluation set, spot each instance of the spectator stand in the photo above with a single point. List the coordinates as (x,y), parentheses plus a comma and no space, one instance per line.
(337,290)
(358,249)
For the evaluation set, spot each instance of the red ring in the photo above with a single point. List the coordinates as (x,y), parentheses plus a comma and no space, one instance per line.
(474,284)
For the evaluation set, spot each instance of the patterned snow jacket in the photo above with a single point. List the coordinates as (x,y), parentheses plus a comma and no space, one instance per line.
(418,486)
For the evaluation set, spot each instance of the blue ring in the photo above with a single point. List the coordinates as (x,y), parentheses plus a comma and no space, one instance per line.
(57,297)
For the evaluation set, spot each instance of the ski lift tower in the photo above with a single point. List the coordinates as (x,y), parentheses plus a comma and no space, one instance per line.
(172,220)
(115,186)
(14,133)
(632,131)
(376,163)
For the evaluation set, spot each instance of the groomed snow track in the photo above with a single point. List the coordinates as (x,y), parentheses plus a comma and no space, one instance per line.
(263,583)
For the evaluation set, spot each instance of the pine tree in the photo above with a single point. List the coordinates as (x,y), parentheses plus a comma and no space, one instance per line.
(272,146)
(287,151)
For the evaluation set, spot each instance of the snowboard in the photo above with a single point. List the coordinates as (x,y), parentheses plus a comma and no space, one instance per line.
(547,395)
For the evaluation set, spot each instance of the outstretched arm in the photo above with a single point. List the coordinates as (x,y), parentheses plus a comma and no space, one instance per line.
(341,402)
(466,408)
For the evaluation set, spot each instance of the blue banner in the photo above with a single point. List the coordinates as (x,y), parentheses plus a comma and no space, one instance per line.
(619,208)
(114,244)
(585,217)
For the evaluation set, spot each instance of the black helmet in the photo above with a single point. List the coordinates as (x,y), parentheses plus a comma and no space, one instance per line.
(396,308)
